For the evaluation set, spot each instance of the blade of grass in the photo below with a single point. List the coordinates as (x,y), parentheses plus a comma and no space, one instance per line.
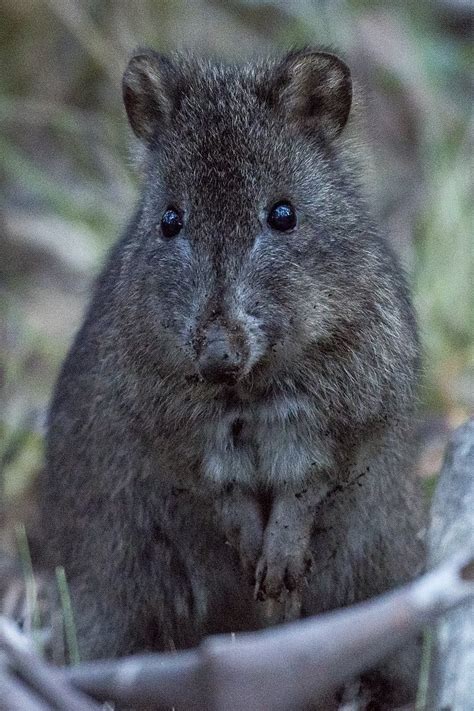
(68,616)
(33,613)
(423,681)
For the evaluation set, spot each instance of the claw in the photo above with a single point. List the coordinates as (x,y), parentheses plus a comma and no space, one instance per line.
(290,581)
(260,592)
(293,607)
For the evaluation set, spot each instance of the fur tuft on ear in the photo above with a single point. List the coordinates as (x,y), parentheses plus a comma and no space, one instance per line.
(314,89)
(147,94)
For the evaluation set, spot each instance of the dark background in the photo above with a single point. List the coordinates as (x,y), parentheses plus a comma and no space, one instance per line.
(67,186)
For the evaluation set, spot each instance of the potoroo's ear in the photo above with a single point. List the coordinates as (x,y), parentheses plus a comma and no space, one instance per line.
(148,93)
(314,89)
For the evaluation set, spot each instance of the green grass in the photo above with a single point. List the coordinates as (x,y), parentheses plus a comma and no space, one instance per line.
(423,681)
(68,616)
(33,612)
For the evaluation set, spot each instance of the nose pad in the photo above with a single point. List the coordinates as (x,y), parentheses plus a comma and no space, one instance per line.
(220,355)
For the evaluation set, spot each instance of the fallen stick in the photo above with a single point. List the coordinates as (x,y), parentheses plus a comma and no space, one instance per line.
(16,696)
(285,667)
(46,680)
(301,663)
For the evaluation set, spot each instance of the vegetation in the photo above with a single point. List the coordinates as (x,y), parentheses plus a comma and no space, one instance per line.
(68,184)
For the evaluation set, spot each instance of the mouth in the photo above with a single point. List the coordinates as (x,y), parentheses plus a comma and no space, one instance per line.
(227,377)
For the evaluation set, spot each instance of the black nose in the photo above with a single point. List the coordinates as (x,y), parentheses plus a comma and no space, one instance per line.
(220,357)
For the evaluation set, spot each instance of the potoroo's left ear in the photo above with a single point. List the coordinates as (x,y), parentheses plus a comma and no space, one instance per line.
(314,89)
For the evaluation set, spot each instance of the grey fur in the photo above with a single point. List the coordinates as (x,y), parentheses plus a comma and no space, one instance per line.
(166,495)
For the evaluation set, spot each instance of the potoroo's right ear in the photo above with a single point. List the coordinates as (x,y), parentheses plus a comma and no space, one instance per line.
(148,88)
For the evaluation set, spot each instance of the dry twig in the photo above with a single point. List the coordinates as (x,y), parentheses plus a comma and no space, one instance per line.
(285,667)
(47,681)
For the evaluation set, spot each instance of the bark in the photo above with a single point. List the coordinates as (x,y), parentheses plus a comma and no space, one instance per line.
(452,528)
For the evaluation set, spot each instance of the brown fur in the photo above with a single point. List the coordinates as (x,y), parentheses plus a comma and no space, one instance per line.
(179,504)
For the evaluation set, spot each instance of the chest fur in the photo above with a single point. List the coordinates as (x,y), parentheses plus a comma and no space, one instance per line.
(282,442)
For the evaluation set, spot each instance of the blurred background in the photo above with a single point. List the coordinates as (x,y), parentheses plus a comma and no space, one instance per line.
(67,185)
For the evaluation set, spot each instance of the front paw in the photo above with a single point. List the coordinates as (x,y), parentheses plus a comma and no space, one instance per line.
(245,535)
(281,573)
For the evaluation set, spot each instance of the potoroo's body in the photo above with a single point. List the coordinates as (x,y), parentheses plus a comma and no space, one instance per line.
(232,423)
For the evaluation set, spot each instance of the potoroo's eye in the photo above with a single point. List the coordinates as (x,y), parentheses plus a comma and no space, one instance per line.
(171,222)
(282,217)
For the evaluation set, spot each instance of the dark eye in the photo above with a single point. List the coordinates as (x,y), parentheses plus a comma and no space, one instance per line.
(171,222)
(282,217)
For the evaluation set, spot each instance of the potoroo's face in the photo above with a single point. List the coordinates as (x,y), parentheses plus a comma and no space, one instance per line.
(249,240)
